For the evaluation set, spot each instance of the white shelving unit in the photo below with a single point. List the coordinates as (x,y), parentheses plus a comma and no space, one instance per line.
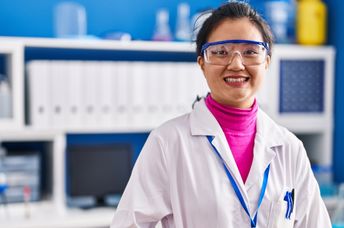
(95,44)
(53,212)
(314,128)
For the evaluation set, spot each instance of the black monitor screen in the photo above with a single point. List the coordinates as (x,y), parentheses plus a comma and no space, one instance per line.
(98,170)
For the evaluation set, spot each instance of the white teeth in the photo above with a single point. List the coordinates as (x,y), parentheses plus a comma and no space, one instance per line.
(235,79)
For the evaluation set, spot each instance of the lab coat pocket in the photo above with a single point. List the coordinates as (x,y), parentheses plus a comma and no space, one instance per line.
(283,215)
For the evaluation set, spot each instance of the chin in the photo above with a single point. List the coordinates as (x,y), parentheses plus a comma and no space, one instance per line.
(242,101)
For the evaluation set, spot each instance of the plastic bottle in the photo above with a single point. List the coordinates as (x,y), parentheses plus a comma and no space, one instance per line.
(183,29)
(162,29)
(70,20)
(277,15)
(5,98)
(338,219)
(311,22)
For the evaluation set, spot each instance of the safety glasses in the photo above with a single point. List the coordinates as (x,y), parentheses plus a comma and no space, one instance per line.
(222,52)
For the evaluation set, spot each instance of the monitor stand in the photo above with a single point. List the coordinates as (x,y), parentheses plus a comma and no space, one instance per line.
(101,202)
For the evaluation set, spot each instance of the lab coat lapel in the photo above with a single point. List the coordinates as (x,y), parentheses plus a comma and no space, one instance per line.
(202,122)
(263,155)
(221,144)
(268,137)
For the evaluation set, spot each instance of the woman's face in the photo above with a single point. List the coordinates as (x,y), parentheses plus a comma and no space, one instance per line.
(226,82)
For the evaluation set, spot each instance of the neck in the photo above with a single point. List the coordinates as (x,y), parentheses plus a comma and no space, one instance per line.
(233,118)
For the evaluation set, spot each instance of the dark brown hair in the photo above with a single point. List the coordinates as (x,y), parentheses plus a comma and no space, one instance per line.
(233,10)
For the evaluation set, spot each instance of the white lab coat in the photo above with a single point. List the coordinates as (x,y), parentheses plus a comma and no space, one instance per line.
(180,181)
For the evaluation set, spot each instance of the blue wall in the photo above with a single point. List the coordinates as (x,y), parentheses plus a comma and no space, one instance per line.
(336,38)
(35,18)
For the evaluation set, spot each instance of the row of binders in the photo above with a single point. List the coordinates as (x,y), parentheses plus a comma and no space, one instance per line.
(110,94)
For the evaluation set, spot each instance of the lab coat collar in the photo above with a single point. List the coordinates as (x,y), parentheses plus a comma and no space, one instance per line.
(202,122)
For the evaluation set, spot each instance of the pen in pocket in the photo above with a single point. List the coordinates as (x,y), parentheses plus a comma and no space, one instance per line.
(289,198)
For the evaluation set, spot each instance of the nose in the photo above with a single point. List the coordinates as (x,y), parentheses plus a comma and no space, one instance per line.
(236,62)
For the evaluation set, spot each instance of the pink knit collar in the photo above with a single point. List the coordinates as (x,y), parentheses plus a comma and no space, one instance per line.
(236,120)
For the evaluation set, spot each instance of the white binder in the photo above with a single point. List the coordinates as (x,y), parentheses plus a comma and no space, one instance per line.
(58,91)
(182,97)
(39,88)
(153,93)
(121,89)
(138,113)
(157,94)
(164,70)
(172,89)
(74,94)
(90,101)
(106,96)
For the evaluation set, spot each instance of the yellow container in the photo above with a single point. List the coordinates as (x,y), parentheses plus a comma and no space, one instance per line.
(311,22)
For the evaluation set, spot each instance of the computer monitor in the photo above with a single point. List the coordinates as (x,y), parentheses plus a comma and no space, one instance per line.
(97,171)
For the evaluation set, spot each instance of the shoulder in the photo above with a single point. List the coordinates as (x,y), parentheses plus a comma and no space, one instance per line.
(162,140)
(276,132)
(171,128)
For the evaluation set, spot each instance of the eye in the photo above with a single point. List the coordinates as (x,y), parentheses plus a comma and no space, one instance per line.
(219,52)
(250,52)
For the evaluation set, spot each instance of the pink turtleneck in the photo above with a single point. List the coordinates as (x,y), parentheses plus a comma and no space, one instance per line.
(239,127)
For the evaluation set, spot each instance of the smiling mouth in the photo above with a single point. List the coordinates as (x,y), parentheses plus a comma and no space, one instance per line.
(236,79)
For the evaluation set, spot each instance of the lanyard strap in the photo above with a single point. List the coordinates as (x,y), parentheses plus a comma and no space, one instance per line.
(236,188)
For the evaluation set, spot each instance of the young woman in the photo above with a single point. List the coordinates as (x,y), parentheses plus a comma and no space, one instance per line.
(226,164)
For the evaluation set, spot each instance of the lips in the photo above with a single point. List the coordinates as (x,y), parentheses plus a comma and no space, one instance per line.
(236,81)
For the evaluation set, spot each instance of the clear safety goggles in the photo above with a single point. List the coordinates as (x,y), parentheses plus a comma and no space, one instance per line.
(222,52)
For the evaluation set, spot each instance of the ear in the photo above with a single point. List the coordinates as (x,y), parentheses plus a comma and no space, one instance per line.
(267,62)
(200,62)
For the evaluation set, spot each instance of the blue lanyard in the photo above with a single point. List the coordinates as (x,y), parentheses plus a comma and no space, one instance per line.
(236,188)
